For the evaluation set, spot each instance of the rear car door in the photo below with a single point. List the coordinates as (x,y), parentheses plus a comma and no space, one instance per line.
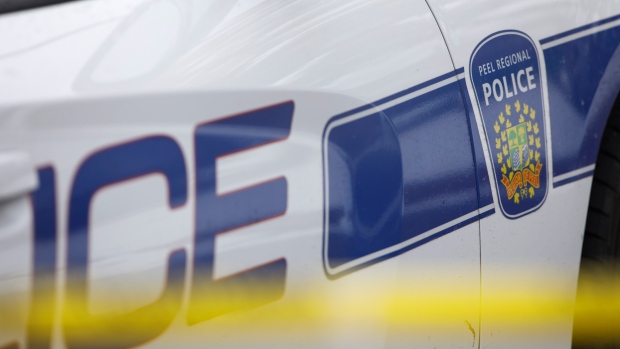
(201,163)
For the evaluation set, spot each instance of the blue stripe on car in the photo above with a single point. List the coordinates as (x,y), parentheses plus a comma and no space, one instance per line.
(398,174)
(583,83)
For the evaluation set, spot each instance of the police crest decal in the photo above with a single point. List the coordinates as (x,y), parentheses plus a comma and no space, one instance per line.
(505,73)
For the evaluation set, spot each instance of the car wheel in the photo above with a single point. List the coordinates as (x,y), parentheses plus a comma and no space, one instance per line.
(600,256)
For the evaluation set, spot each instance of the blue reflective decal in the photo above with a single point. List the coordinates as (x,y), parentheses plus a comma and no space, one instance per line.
(365,189)
(485,194)
(505,73)
(157,154)
(582,79)
(216,214)
(439,175)
(397,178)
(579,29)
(42,306)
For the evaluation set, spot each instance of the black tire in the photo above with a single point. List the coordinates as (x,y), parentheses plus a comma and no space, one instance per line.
(601,239)
(600,254)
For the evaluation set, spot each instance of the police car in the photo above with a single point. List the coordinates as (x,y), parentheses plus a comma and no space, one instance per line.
(175,172)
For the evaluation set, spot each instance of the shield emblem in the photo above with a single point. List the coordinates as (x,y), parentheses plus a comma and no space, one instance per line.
(505,74)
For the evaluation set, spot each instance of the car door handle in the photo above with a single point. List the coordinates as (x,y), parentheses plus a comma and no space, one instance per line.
(17,174)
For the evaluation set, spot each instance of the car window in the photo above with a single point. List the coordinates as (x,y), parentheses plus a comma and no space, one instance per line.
(7,6)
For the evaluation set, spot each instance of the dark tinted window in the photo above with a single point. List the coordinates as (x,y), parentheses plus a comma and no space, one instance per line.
(7,6)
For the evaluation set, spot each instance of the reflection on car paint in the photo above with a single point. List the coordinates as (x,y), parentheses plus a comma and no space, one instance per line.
(398,174)
(215,214)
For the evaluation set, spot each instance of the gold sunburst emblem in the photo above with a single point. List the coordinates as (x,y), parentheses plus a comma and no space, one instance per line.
(518,146)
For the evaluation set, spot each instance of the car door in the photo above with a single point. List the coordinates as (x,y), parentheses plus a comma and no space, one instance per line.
(205,167)
(546,74)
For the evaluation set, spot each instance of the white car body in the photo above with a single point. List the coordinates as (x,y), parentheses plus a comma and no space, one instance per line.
(84,77)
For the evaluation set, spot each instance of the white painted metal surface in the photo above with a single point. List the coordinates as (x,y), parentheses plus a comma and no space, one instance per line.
(548,241)
(84,76)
